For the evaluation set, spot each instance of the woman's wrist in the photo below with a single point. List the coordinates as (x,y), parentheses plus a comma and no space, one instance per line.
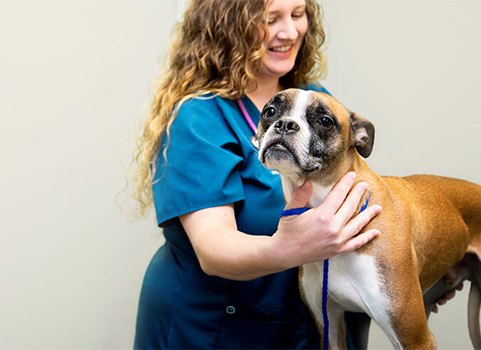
(280,254)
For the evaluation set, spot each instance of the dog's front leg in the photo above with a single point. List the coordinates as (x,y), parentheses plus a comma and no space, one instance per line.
(404,320)
(337,325)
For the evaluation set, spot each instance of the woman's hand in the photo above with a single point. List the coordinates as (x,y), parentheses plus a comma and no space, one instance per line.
(446,297)
(327,230)
(317,234)
(454,279)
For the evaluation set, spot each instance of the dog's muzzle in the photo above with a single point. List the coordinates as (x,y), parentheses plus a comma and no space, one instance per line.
(279,146)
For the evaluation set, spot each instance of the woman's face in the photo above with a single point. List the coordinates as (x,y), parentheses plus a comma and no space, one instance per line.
(287,27)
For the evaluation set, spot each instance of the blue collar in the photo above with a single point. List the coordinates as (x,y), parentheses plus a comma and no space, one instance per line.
(298,211)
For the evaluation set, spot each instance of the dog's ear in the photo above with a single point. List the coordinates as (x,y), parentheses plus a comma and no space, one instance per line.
(361,134)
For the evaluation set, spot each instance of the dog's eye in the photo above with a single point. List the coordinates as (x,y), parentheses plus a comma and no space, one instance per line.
(269,112)
(326,122)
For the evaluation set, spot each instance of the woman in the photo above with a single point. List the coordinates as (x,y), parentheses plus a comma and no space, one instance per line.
(227,274)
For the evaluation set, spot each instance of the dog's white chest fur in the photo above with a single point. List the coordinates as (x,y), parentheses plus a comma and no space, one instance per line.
(354,281)
(354,284)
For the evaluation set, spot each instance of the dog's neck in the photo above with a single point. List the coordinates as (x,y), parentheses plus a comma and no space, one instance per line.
(292,183)
(323,185)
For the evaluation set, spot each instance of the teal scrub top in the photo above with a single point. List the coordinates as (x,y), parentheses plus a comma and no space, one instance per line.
(211,162)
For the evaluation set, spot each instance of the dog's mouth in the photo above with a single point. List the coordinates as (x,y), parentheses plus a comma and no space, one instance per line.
(275,149)
(278,154)
(279,147)
(279,150)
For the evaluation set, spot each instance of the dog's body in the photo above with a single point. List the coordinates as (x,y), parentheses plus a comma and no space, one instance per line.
(428,223)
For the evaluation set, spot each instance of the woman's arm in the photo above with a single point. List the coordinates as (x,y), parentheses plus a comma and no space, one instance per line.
(318,234)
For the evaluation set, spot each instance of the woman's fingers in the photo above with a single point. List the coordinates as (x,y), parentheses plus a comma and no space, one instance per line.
(360,240)
(338,195)
(353,227)
(339,208)
(350,205)
(449,295)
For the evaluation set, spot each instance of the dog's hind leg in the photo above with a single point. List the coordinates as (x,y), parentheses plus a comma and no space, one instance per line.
(474,301)
(474,304)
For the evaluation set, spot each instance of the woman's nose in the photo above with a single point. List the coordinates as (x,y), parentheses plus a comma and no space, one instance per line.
(288,30)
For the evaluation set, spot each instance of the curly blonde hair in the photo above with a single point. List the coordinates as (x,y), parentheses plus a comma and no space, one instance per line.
(216,49)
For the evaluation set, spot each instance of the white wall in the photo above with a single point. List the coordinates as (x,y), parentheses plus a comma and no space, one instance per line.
(74,75)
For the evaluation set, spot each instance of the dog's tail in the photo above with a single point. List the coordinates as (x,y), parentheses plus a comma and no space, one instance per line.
(474,305)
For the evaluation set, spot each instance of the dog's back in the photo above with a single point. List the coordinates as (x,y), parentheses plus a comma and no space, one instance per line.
(441,212)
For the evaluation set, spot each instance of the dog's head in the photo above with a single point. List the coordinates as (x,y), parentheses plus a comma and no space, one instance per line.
(302,133)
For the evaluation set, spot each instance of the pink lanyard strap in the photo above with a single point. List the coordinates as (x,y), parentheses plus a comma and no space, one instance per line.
(246,116)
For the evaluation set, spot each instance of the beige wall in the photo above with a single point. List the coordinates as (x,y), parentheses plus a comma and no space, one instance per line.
(75,73)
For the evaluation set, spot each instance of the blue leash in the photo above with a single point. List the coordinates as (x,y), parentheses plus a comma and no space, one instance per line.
(298,211)
(292,212)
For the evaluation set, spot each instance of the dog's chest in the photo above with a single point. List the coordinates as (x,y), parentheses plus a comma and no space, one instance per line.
(353,283)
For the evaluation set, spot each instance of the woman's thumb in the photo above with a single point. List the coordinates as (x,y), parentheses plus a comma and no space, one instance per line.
(301,196)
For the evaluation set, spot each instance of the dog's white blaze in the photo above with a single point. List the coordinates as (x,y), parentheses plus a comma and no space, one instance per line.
(300,104)
(348,274)
(298,114)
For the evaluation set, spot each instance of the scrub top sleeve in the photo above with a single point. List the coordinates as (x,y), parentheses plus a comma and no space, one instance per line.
(202,166)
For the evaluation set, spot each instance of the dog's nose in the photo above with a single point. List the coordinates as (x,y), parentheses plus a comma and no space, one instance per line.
(286,126)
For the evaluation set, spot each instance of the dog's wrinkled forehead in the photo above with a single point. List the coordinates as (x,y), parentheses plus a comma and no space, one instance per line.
(297,104)
(291,103)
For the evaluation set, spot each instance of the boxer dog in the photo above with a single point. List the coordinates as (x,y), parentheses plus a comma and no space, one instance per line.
(428,223)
